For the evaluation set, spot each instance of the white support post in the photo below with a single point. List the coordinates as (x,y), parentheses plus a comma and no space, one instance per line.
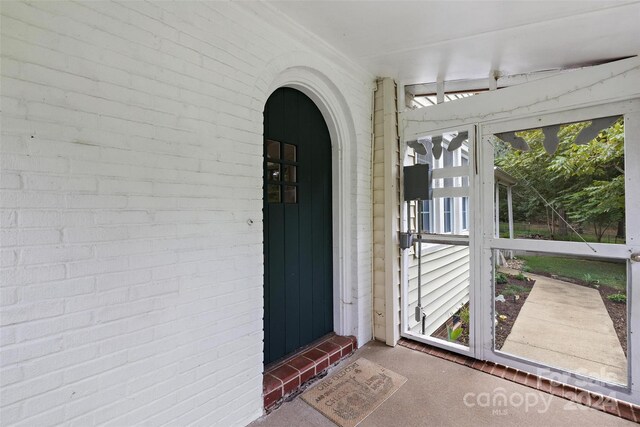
(497,211)
(632,207)
(440,90)
(500,260)
(391,208)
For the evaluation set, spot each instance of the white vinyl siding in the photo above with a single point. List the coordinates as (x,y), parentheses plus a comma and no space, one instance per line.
(445,280)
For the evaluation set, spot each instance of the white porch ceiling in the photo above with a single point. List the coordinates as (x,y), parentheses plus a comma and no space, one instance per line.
(421,41)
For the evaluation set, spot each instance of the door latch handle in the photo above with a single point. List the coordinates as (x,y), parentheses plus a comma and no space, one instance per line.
(635,257)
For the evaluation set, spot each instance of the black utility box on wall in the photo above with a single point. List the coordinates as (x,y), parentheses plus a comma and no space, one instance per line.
(417,182)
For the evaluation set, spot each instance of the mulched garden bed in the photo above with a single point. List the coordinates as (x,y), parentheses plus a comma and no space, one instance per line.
(511,308)
(515,292)
(617,311)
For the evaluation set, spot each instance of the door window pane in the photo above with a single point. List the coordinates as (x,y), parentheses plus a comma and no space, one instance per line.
(281,169)
(273,171)
(289,173)
(273,149)
(273,193)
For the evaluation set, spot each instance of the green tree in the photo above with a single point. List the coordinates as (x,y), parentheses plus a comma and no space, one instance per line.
(583,183)
(537,189)
(597,171)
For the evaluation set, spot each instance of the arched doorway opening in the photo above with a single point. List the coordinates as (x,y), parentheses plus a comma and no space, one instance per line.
(297,203)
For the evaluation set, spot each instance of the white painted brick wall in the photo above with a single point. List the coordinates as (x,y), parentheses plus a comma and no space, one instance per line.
(131,163)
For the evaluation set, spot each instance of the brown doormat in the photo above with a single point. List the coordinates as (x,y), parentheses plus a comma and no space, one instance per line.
(349,396)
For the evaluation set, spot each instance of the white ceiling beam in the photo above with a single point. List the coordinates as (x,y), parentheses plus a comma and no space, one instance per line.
(607,83)
(483,84)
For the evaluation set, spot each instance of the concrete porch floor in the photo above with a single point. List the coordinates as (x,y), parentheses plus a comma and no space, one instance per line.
(443,393)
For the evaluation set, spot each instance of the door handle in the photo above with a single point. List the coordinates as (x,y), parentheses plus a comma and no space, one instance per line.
(635,257)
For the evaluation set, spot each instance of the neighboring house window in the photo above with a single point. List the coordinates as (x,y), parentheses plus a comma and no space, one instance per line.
(465,213)
(425,216)
(448,202)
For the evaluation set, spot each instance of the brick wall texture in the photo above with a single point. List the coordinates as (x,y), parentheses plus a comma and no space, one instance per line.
(131,207)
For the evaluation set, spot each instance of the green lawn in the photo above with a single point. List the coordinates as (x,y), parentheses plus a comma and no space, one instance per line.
(522,230)
(606,273)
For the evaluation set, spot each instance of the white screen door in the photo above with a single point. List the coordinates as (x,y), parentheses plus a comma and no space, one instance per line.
(438,296)
(561,245)
(531,241)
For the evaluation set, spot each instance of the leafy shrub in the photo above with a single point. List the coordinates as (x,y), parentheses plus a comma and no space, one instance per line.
(464,315)
(454,334)
(590,279)
(521,276)
(621,298)
(501,278)
(526,269)
(514,290)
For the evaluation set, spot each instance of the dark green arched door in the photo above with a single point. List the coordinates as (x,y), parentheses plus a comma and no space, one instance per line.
(298,297)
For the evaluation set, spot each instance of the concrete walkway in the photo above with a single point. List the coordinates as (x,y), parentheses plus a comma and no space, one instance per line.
(443,393)
(567,326)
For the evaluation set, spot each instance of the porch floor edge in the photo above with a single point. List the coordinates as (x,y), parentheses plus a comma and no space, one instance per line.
(587,398)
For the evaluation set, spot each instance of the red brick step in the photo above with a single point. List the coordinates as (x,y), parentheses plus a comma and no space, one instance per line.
(285,377)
